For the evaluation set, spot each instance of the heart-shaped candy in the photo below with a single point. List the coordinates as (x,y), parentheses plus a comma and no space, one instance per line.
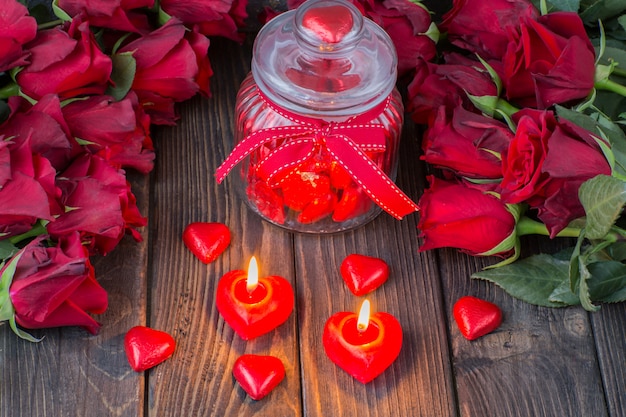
(146,347)
(330,24)
(206,240)
(258,375)
(363,274)
(257,312)
(476,317)
(364,355)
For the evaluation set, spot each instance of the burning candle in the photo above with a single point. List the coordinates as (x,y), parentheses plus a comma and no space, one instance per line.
(363,345)
(253,306)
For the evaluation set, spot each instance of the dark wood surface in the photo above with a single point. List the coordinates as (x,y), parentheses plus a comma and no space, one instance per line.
(540,362)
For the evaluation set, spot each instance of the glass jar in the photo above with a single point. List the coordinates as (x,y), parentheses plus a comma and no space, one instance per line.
(319,121)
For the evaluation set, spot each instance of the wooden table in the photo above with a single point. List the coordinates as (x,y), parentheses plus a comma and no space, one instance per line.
(540,362)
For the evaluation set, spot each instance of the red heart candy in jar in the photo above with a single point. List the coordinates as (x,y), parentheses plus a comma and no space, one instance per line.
(258,375)
(301,188)
(318,209)
(146,347)
(363,274)
(330,24)
(476,317)
(364,354)
(206,240)
(255,312)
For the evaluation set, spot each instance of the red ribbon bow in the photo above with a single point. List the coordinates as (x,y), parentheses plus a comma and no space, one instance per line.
(345,141)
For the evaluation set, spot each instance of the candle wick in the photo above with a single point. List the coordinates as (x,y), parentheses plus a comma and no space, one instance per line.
(361,327)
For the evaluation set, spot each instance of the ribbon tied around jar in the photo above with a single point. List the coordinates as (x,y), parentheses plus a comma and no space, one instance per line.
(347,142)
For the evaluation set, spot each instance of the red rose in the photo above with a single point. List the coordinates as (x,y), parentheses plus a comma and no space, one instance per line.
(482,26)
(27,187)
(210,17)
(548,61)
(436,85)
(115,130)
(406,24)
(68,63)
(470,144)
(99,202)
(168,69)
(16,29)
(545,165)
(56,286)
(43,122)
(120,15)
(453,215)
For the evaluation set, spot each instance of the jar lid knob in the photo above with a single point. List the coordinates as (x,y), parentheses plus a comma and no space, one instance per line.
(328,23)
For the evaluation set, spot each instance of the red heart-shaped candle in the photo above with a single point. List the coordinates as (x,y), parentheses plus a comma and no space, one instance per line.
(256,312)
(146,347)
(330,24)
(476,317)
(363,274)
(258,375)
(206,240)
(363,354)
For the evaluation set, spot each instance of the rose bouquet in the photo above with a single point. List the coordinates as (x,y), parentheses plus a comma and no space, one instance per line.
(524,116)
(79,91)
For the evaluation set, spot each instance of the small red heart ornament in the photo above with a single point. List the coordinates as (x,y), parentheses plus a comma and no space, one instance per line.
(476,317)
(364,355)
(363,274)
(258,375)
(206,240)
(146,347)
(330,24)
(252,314)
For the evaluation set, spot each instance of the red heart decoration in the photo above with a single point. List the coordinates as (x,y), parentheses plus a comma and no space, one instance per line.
(363,274)
(330,24)
(256,313)
(146,347)
(318,209)
(300,189)
(206,240)
(476,317)
(364,355)
(258,375)
(353,203)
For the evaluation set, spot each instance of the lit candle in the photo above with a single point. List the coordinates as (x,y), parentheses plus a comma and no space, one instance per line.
(253,306)
(363,345)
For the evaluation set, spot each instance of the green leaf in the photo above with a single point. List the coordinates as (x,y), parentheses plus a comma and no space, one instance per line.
(564,295)
(608,282)
(123,75)
(566,5)
(583,287)
(532,279)
(6,308)
(593,10)
(574,264)
(59,12)
(617,251)
(603,198)
(7,249)
(21,333)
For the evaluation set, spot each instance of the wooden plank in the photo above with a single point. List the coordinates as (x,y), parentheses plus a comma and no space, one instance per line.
(71,373)
(610,335)
(419,382)
(198,379)
(540,362)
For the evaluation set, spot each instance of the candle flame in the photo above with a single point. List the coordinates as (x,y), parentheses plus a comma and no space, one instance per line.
(253,275)
(364,316)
